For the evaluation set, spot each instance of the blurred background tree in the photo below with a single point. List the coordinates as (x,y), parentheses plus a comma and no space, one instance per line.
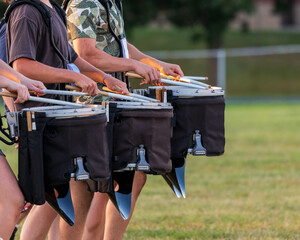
(283,5)
(285,8)
(138,13)
(3,6)
(213,16)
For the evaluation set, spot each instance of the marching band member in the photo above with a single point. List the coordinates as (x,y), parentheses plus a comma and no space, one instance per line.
(96,29)
(39,59)
(12,200)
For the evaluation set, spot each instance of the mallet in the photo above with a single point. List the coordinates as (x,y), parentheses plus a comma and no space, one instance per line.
(184,79)
(43,100)
(133,95)
(168,81)
(113,95)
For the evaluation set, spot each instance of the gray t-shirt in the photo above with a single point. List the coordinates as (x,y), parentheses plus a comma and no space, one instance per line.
(28,36)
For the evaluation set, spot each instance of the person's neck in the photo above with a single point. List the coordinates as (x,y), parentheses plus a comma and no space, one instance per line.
(47,2)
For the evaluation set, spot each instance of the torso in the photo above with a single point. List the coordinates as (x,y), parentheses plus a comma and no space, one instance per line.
(28,36)
(82,12)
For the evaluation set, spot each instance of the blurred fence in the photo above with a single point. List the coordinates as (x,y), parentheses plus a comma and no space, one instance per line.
(279,63)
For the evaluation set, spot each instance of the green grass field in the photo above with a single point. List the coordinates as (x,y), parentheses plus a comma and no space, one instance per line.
(251,192)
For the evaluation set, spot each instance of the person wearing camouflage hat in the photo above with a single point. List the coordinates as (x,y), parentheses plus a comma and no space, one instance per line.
(105,46)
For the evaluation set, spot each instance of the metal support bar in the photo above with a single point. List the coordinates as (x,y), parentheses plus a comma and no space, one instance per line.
(221,68)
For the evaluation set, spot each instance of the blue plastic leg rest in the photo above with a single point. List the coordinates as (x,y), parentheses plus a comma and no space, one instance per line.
(62,204)
(176,178)
(122,198)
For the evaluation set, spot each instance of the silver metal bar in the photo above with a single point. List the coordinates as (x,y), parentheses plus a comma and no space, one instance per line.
(183,79)
(197,78)
(189,85)
(194,82)
(185,92)
(131,95)
(60,92)
(142,97)
(221,69)
(138,105)
(109,94)
(53,101)
(124,97)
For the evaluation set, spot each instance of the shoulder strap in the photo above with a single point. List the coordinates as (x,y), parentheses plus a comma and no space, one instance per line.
(103,2)
(60,11)
(119,5)
(62,14)
(3,54)
(64,5)
(39,5)
(2,22)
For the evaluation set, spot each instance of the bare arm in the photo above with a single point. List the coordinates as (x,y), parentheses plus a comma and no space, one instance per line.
(44,73)
(97,75)
(10,73)
(166,68)
(86,48)
(47,74)
(12,86)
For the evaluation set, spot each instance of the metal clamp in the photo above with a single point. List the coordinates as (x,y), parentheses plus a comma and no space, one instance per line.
(80,174)
(198,149)
(12,119)
(142,164)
